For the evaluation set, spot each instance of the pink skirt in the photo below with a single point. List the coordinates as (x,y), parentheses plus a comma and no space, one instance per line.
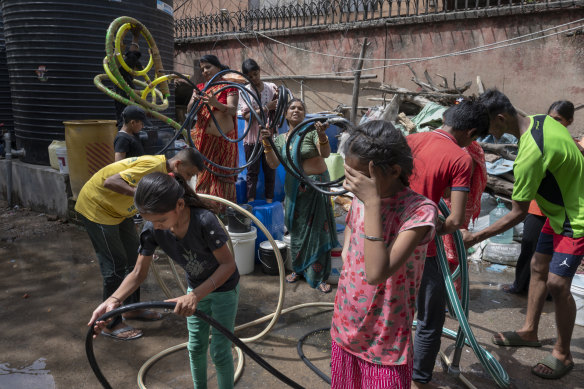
(351,372)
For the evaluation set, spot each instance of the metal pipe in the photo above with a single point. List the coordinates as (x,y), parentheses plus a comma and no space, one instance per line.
(10,152)
(8,148)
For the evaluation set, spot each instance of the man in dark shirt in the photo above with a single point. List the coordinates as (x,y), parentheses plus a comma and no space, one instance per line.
(127,143)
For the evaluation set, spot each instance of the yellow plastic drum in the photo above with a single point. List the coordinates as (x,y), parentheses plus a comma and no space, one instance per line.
(90,146)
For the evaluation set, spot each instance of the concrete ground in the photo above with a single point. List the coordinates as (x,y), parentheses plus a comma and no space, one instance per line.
(50,284)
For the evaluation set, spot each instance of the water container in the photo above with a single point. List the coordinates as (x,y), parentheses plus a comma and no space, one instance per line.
(260,188)
(335,165)
(577,290)
(288,263)
(497,213)
(90,146)
(243,250)
(268,259)
(271,216)
(241,190)
(63,160)
(54,49)
(336,265)
(54,162)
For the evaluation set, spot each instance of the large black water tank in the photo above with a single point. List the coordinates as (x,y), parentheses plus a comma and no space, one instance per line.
(54,50)
(5,98)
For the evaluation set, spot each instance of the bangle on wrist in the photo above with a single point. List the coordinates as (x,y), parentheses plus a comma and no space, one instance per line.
(214,285)
(373,238)
(267,150)
(323,142)
(117,299)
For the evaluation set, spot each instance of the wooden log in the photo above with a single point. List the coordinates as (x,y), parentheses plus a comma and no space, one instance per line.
(505,150)
(500,185)
(404,91)
(508,176)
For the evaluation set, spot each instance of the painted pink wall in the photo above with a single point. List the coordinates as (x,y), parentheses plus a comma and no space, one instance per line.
(532,74)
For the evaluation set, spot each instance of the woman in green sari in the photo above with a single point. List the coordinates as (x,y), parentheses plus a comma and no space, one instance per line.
(308,214)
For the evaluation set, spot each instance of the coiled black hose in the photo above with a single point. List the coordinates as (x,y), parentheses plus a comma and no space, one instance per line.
(306,361)
(168,305)
(279,115)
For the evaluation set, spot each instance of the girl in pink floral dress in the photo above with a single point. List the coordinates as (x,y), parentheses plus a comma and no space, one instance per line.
(388,228)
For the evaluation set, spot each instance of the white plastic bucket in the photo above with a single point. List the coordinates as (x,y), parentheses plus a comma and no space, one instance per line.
(244,250)
(577,290)
(336,266)
(61,153)
(288,261)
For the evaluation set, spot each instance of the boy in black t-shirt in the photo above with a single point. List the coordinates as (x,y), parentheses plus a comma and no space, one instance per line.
(127,143)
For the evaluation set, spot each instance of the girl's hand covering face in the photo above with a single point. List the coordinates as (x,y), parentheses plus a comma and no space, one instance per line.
(366,188)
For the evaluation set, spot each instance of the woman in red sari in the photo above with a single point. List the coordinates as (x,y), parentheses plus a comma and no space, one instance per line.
(206,136)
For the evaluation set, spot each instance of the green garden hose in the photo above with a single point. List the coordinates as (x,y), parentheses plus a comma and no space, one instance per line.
(460,310)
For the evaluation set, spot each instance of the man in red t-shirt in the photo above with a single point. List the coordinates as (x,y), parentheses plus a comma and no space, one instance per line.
(441,166)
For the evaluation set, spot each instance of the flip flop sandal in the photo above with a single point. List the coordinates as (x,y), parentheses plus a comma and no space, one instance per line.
(147,315)
(324,287)
(292,277)
(115,334)
(559,368)
(511,289)
(512,339)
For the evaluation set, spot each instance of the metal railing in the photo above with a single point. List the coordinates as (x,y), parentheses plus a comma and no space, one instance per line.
(329,12)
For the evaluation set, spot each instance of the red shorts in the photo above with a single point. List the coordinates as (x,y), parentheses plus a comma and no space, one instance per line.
(566,252)
(351,372)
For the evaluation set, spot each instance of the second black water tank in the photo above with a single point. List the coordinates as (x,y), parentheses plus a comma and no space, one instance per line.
(54,49)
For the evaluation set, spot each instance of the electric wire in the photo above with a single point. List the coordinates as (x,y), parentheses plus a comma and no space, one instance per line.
(470,51)
(414,58)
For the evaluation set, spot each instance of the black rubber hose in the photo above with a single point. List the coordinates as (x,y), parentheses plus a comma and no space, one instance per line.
(256,153)
(168,305)
(306,361)
(298,172)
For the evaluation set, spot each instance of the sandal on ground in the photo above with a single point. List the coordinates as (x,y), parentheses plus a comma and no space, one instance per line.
(512,339)
(143,315)
(292,277)
(324,287)
(559,368)
(116,333)
(511,289)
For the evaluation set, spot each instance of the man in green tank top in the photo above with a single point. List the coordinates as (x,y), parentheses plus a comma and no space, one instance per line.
(550,169)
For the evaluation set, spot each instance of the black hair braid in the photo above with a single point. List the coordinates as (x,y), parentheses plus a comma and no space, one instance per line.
(191,198)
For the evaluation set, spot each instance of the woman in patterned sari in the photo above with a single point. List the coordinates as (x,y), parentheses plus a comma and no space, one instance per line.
(206,136)
(309,214)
